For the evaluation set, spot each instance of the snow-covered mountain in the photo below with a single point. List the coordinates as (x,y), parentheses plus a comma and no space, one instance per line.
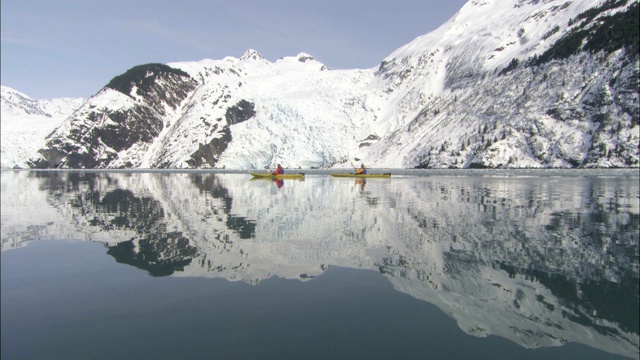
(504,83)
(25,123)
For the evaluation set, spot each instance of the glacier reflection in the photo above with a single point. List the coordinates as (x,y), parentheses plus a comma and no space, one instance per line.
(539,260)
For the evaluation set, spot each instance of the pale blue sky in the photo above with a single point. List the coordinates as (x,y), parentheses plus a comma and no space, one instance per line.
(72,48)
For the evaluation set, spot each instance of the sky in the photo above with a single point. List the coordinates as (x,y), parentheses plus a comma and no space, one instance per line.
(72,48)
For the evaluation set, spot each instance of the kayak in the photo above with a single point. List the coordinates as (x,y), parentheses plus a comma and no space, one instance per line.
(385,175)
(281,176)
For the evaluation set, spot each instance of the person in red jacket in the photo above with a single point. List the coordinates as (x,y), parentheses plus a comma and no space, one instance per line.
(362,170)
(279,170)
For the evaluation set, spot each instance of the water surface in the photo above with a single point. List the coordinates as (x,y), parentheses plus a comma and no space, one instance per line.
(427,264)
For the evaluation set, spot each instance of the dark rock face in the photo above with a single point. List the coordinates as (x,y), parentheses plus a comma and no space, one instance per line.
(95,136)
(95,141)
(123,131)
(240,112)
(208,155)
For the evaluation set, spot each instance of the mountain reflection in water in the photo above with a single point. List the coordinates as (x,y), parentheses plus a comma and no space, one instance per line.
(539,260)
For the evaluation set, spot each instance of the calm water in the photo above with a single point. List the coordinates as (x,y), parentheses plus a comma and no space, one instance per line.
(425,265)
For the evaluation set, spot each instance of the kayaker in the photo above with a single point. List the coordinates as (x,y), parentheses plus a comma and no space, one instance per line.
(362,170)
(279,170)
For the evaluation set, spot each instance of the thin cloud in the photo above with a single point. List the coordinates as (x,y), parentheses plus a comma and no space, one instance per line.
(26,41)
(167,33)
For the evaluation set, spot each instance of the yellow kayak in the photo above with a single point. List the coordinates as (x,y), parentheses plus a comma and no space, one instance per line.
(266,175)
(385,175)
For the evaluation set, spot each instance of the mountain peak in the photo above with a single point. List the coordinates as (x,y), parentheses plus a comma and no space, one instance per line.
(15,102)
(304,57)
(251,54)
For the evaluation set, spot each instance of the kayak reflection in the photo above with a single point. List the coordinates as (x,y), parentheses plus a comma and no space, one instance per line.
(278,180)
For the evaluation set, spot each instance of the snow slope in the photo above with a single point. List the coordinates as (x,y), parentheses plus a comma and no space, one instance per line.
(450,106)
(25,123)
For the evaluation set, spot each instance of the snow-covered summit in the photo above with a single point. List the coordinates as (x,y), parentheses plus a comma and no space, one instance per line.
(251,55)
(302,61)
(16,103)
(303,57)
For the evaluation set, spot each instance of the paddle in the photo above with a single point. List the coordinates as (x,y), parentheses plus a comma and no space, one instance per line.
(357,169)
